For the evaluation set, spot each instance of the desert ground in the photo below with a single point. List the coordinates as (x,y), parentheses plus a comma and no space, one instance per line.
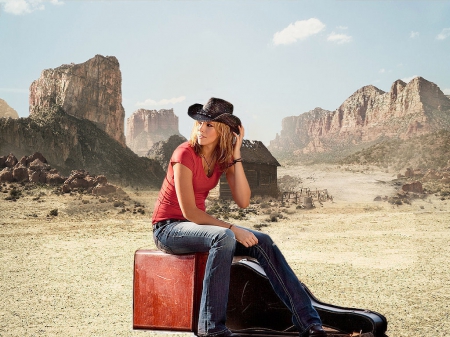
(69,272)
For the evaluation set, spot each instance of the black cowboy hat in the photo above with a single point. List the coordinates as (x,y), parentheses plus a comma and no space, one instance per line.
(217,110)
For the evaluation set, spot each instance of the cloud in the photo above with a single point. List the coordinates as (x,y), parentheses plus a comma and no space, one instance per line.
(342,27)
(165,101)
(444,34)
(413,35)
(408,79)
(19,7)
(446,91)
(299,30)
(382,70)
(339,38)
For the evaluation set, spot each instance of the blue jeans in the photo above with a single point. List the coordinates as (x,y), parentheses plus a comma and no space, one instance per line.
(220,243)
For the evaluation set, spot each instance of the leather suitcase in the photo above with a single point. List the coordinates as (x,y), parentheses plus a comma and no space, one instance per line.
(167,290)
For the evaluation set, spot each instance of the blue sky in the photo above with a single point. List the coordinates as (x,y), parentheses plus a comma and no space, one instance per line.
(271,59)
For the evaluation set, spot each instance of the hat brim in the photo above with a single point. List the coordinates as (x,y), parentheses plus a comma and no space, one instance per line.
(196,112)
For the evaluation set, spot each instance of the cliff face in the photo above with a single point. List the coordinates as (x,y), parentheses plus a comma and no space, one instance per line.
(91,90)
(6,111)
(368,115)
(70,143)
(147,127)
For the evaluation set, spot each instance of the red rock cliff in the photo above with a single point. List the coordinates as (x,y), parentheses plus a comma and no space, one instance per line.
(91,90)
(407,110)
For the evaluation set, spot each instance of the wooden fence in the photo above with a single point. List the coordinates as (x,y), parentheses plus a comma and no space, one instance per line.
(305,195)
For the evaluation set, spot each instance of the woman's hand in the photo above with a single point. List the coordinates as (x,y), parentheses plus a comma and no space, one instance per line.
(238,144)
(245,237)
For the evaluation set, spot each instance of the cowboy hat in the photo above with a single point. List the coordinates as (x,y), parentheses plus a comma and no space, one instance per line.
(217,110)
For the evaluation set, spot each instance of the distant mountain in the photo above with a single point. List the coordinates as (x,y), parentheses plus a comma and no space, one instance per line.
(147,127)
(6,111)
(367,117)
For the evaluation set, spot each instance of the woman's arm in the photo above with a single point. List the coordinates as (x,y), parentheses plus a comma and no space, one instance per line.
(240,189)
(186,199)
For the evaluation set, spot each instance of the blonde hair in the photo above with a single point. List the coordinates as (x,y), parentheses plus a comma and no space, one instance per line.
(224,149)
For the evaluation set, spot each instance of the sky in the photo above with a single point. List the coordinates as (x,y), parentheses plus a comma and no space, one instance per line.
(270,58)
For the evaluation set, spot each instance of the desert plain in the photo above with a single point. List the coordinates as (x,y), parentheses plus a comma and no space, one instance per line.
(69,272)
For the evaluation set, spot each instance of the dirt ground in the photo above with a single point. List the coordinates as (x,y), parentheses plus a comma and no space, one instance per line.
(71,274)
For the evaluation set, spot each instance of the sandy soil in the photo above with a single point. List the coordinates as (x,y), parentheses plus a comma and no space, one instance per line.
(71,274)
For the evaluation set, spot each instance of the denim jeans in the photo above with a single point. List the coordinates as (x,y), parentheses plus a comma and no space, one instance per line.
(188,237)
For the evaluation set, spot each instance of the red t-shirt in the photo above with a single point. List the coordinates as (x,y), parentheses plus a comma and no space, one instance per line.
(167,205)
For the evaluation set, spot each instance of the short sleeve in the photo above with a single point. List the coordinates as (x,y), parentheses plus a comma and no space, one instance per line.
(183,154)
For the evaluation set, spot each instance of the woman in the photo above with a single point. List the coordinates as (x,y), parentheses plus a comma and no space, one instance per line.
(181,225)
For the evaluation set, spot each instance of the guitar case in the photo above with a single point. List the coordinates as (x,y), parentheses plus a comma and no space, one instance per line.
(255,309)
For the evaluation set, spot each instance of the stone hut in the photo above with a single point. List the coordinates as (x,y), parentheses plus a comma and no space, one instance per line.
(260,168)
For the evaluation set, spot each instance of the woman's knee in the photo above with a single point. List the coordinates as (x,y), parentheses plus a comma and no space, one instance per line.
(264,239)
(226,239)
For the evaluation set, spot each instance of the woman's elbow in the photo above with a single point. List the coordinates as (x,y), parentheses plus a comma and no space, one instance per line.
(243,203)
(188,214)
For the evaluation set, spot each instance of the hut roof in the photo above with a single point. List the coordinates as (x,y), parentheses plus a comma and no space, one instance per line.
(256,152)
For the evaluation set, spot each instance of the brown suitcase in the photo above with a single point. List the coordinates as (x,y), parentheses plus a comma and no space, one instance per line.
(167,290)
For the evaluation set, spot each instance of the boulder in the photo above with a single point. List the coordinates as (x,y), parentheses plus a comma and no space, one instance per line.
(54,178)
(409,172)
(22,162)
(415,187)
(104,189)
(6,175)
(20,174)
(36,155)
(37,176)
(11,161)
(432,175)
(100,180)
(38,165)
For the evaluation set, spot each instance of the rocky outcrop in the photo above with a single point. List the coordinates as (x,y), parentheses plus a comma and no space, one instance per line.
(147,127)
(34,169)
(368,115)
(6,111)
(69,143)
(91,90)
(162,150)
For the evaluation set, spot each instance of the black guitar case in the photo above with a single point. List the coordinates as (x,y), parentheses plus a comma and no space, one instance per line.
(255,309)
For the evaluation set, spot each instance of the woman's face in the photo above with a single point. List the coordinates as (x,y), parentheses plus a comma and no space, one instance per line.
(207,134)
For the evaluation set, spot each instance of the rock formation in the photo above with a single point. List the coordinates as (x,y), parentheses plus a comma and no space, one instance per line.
(6,111)
(91,90)
(69,143)
(369,115)
(147,127)
(35,169)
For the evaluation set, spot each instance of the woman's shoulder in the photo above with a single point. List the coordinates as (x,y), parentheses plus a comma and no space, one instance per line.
(184,147)
(183,151)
